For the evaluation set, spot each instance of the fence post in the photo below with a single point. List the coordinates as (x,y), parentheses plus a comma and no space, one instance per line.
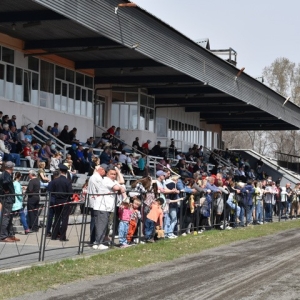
(114,222)
(225,197)
(2,202)
(83,226)
(180,215)
(263,207)
(43,237)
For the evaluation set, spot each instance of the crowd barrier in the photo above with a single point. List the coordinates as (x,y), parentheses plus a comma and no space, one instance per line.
(81,228)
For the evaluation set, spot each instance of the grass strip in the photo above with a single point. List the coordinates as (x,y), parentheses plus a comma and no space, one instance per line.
(40,278)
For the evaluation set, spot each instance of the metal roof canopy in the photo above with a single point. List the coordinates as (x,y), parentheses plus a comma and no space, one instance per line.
(134,48)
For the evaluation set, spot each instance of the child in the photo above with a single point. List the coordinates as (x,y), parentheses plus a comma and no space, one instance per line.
(124,215)
(129,164)
(28,154)
(154,216)
(134,217)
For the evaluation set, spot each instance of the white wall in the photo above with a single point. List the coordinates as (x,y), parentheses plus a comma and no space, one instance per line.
(49,116)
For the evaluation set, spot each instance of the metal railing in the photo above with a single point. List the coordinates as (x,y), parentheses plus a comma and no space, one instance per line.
(190,219)
(62,147)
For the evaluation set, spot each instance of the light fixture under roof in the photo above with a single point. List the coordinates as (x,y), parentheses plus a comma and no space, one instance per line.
(137,69)
(31,24)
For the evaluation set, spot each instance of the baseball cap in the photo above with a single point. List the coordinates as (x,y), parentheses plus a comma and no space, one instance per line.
(104,166)
(9,165)
(148,141)
(160,173)
(63,167)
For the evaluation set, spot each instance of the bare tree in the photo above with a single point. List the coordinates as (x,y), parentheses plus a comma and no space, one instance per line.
(283,76)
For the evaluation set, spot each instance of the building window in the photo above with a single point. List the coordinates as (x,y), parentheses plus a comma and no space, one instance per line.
(9,86)
(8,55)
(46,84)
(33,64)
(133,113)
(99,111)
(2,81)
(71,99)
(161,127)
(19,85)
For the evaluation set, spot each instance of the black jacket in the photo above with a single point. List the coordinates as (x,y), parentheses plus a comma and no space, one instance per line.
(6,187)
(63,187)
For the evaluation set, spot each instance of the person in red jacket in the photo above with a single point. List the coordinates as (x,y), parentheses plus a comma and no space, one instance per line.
(145,147)
(111,130)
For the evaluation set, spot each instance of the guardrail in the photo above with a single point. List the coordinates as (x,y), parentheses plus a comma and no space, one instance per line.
(190,217)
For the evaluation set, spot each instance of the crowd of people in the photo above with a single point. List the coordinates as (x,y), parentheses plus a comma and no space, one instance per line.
(185,198)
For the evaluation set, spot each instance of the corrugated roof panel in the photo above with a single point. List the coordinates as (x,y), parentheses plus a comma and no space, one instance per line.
(167,46)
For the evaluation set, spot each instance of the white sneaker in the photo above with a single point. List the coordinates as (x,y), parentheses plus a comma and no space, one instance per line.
(136,240)
(228,228)
(184,234)
(200,231)
(174,236)
(171,237)
(102,247)
(95,247)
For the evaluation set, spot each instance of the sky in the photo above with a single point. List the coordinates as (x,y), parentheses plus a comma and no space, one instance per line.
(258,30)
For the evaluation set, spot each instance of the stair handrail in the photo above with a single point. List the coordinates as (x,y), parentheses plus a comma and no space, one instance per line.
(286,171)
(59,144)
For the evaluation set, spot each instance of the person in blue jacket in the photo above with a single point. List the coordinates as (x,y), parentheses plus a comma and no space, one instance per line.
(248,191)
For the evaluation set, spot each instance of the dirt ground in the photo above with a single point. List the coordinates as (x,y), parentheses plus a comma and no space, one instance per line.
(263,268)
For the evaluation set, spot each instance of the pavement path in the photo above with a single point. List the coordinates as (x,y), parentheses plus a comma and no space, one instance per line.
(262,268)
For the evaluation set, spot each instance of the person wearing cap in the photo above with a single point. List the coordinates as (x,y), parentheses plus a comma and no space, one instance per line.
(7,202)
(33,190)
(62,187)
(145,147)
(156,150)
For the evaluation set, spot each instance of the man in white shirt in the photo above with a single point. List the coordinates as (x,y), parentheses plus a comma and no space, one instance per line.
(102,200)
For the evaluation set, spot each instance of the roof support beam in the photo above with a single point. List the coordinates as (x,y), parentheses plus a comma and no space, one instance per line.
(29,16)
(197,101)
(69,43)
(128,63)
(230,108)
(144,79)
(183,90)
